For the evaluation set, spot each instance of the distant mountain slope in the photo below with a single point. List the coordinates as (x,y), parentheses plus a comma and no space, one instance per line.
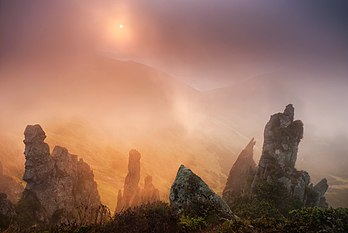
(101,108)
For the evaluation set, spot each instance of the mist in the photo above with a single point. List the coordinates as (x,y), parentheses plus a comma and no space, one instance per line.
(183,83)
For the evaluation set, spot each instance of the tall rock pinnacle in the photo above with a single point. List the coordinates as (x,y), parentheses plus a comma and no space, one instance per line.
(38,162)
(282,136)
(132,194)
(131,184)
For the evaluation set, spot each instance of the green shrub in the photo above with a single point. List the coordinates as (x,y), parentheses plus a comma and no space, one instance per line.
(269,200)
(191,224)
(318,220)
(249,207)
(236,225)
(276,194)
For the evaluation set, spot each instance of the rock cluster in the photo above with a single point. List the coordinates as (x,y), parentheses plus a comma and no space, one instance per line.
(190,195)
(10,186)
(132,194)
(241,173)
(282,136)
(61,186)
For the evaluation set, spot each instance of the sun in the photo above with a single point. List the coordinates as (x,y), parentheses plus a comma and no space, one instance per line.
(121,26)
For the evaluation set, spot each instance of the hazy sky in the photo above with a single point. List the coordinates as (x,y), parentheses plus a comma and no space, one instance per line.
(269,52)
(205,43)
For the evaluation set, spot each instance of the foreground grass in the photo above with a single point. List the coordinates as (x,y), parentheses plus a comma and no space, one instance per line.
(159,218)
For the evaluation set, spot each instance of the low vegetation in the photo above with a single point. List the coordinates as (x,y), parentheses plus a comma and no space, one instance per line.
(264,218)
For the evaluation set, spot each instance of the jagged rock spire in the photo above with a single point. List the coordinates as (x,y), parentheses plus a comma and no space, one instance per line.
(282,136)
(131,184)
(241,173)
(132,194)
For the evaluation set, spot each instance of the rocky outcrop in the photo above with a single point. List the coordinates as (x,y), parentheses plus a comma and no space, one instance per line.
(190,195)
(241,174)
(282,136)
(10,186)
(61,186)
(132,194)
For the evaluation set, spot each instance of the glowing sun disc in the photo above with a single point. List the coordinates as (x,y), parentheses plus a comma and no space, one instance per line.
(121,26)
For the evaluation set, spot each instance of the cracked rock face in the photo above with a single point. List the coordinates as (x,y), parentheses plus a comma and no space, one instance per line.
(61,187)
(241,173)
(38,164)
(190,195)
(282,136)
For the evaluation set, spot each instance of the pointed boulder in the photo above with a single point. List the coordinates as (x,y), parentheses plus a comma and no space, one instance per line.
(191,196)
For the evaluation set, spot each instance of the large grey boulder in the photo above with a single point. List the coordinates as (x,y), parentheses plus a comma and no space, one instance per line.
(190,195)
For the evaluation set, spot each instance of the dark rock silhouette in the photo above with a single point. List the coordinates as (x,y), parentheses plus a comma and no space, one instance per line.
(62,187)
(132,194)
(241,173)
(190,195)
(10,186)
